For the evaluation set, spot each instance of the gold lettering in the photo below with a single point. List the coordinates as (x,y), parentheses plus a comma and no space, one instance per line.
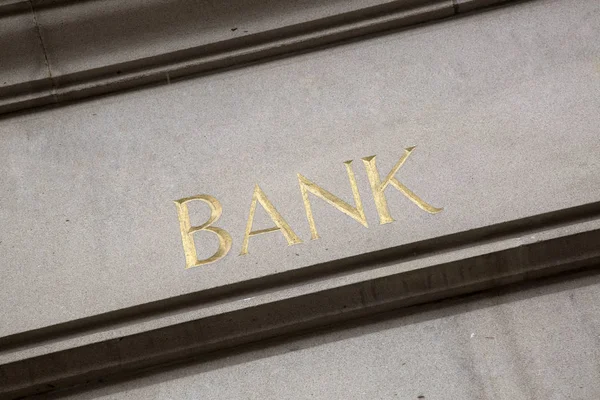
(281,224)
(356,212)
(379,187)
(187,231)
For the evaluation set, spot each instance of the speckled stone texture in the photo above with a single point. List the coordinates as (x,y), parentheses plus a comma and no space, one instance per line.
(539,342)
(502,107)
(503,114)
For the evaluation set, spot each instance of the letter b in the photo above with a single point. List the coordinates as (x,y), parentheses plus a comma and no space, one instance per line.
(187,231)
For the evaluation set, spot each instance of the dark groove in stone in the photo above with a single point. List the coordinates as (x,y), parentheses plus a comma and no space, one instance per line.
(282,280)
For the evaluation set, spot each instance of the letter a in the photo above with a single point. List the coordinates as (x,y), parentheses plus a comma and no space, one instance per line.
(357,212)
(187,231)
(281,224)
(378,188)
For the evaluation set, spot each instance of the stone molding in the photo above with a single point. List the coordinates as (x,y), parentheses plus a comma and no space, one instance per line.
(62,50)
(173,330)
(125,342)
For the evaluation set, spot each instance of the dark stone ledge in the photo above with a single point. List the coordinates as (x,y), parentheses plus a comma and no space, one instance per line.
(89,48)
(562,243)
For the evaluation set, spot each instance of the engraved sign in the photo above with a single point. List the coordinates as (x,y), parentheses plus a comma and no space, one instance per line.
(356,212)
(89,228)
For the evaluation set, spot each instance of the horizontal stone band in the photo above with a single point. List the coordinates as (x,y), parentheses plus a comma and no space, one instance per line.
(459,264)
(56,67)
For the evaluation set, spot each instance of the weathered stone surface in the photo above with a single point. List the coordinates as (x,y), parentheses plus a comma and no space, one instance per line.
(21,55)
(99,47)
(23,67)
(537,343)
(503,114)
(469,5)
(501,106)
(144,29)
(381,285)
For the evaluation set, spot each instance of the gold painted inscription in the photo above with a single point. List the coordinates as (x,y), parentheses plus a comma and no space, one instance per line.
(357,212)
(187,231)
(307,187)
(280,223)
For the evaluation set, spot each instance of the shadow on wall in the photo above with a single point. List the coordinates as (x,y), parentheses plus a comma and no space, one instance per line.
(78,28)
(541,296)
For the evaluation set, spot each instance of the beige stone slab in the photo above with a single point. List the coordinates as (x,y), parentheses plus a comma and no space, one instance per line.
(503,114)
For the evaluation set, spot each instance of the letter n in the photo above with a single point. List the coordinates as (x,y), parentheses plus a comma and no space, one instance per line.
(357,212)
